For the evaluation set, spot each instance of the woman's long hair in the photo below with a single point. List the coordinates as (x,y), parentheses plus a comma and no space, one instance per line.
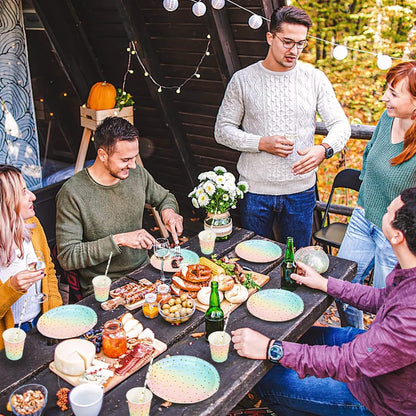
(12,227)
(406,71)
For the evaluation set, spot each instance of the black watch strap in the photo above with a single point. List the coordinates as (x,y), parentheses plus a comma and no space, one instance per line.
(329,151)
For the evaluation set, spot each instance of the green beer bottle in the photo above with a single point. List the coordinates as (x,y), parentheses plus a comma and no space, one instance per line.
(214,316)
(288,267)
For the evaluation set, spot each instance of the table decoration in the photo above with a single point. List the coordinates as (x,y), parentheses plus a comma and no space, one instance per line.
(217,193)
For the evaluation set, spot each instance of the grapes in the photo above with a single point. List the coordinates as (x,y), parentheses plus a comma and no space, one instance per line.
(96,337)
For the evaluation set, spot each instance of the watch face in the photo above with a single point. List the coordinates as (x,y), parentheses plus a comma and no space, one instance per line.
(276,352)
(329,152)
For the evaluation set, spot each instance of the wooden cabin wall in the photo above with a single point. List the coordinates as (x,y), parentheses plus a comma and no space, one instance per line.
(177,41)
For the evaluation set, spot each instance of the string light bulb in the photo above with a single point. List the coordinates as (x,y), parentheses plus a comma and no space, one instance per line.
(255,21)
(178,91)
(218,4)
(384,62)
(197,75)
(146,74)
(159,89)
(199,8)
(170,5)
(340,52)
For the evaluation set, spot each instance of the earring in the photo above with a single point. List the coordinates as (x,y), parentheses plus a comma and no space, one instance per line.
(413,116)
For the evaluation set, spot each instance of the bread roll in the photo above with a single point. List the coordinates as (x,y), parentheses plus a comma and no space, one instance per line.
(225,282)
(205,293)
(238,294)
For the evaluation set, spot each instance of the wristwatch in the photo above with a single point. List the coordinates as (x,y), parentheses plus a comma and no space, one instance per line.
(329,151)
(275,352)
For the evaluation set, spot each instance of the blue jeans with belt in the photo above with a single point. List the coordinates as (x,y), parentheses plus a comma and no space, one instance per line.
(288,395)
(365,244)
(293,213)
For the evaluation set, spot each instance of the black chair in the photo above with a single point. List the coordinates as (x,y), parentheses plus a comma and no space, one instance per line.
(331,235)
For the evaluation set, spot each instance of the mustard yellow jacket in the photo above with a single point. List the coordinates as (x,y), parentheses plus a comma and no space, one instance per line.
(8,295)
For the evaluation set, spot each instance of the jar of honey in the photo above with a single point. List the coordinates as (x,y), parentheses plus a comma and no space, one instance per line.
(114,339)
(163,292)
(150,308)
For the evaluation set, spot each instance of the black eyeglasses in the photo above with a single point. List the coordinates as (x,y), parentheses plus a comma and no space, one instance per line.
(289,43)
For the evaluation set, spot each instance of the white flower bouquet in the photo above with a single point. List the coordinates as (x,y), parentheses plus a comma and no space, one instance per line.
(217,191)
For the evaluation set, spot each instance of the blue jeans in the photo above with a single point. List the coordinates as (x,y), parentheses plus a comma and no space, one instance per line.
(365,244)
(293,214)
(288,395)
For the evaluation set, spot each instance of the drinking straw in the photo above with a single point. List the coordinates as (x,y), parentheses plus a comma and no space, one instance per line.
(21,318)
(108,263)
(226,320)
(147,375)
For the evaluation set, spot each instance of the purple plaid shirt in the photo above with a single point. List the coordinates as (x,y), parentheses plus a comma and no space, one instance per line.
(378,366)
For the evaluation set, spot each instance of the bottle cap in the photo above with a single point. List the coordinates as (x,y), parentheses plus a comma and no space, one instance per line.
(150,298)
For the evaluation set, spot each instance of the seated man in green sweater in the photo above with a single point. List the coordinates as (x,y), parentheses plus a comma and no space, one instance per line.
(100,209)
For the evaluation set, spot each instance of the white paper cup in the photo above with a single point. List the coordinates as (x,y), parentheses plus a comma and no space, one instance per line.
(86,399)
(139,400)
(14,343)
(207,241)
(219,343)
(101,287)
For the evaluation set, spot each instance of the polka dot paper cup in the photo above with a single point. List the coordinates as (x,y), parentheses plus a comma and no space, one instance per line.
(14,343)
(139,400)
(219,343)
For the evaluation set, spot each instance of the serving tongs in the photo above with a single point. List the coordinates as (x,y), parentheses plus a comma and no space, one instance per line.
(176,255)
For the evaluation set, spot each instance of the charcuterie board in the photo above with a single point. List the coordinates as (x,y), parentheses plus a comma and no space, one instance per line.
(125,295)
(226,306)
(159,346)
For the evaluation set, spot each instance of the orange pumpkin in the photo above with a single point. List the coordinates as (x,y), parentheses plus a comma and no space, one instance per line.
(102,96)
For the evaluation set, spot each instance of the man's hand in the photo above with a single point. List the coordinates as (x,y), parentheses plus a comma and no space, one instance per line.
(276,145)
(135,239)
(23,280)
(312,158)
(250,344)
(172,221)
(308,276)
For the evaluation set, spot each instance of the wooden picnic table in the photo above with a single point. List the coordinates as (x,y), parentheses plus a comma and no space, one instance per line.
(237,375)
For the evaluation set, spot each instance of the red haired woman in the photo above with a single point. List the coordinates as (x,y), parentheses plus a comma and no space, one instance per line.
(389,167)
(21,234)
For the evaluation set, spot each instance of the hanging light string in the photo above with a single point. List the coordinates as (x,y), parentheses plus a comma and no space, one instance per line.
(255,21)
(132,51)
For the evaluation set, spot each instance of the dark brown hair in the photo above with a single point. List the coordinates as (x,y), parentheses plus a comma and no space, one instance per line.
(289,14)
(405,71)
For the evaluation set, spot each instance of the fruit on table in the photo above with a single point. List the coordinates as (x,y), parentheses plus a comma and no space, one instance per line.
(102,96)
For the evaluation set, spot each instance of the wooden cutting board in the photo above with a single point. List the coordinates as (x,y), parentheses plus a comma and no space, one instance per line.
(260,279)
(160,347)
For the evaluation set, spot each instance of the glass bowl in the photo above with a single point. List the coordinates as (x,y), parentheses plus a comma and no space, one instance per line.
(29,393)
(176,310)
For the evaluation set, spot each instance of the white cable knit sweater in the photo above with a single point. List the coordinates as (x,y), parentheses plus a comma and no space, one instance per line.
(259,102)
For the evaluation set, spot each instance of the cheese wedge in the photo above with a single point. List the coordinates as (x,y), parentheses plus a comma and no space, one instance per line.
(74,356)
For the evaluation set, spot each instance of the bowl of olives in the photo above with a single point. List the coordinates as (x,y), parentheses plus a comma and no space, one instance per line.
(176,309)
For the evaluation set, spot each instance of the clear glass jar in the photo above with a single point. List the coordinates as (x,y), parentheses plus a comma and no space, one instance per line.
(114,339)
(163,292)
(150,308)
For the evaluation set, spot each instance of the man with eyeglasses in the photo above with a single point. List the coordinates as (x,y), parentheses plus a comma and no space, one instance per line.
(268,114)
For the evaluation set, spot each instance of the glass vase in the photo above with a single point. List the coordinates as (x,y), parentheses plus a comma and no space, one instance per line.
(221,224)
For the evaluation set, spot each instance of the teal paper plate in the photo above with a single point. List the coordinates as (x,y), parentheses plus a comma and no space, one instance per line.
(258,251)
(189,257)
(68,321)
(183,379)
(275,305)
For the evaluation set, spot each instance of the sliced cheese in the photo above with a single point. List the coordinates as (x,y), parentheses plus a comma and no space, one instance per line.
(74,356)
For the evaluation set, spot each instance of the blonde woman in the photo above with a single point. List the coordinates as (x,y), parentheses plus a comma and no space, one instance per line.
(21,234)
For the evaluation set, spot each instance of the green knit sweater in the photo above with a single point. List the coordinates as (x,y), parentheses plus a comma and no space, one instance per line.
(383,182)
(89,214)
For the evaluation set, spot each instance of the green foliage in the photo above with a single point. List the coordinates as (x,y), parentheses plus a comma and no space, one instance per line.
(123,99)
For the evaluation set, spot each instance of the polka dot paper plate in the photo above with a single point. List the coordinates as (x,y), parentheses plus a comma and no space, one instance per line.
(258,251)
(183,379)
(275,305)
(68,321)
(189,257)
